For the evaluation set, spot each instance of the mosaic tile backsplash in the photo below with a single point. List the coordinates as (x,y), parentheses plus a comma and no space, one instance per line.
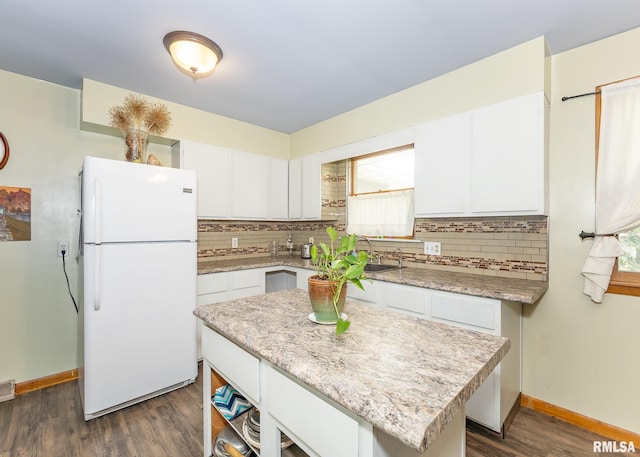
(514,247)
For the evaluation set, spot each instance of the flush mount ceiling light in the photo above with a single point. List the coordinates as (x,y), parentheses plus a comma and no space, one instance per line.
(194,54)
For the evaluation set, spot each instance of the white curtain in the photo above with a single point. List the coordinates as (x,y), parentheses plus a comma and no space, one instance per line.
(617,181)
(384,214)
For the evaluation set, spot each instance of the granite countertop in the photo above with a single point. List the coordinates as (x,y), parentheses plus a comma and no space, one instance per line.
(518,290)
(406,376)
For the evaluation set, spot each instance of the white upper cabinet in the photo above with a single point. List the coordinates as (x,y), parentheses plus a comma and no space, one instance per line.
(304,188)
(508,157)
(279,187)
(212,165)
(311,187)
(441,150)
(295,189)
(486,162)
(235,184)
(250,186)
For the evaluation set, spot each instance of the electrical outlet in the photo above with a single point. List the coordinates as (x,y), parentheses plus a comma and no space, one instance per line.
(310,240)
(63,246)
(432,247)
(234,242)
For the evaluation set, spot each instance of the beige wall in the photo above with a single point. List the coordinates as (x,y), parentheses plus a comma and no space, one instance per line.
(578,354)
(187,123)
(37,317)
(516,71)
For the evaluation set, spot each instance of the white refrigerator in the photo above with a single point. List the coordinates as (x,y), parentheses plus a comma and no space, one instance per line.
(138,270)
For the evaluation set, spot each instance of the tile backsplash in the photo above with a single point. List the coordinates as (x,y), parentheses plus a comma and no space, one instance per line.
(515,247)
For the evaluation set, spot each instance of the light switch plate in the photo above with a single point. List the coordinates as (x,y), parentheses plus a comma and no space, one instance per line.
(234,243)
(432,247)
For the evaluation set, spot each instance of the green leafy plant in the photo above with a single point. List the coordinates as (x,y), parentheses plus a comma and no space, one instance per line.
(338,263)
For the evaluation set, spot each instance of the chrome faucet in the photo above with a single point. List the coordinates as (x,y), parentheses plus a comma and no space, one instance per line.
(362,238)
(399,257)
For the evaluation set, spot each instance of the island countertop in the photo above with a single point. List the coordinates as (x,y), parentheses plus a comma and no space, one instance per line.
(406,376)
(517,290)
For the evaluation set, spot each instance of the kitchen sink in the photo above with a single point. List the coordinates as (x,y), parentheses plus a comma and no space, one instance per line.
(377,267)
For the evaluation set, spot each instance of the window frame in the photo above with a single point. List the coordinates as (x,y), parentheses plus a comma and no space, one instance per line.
(352,160)
(352,181)
(622,282)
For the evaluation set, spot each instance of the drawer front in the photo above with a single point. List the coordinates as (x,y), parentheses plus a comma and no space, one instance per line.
(310,419)
(233,363)
(213,282)
(246,278)
(465,310)
(369,294)
(407,298)
(215,297)
(245,292)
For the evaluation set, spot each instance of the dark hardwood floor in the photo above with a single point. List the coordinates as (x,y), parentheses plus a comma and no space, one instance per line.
(49,423)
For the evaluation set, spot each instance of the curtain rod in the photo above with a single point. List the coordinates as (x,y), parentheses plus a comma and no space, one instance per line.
(564,99)
(584,234)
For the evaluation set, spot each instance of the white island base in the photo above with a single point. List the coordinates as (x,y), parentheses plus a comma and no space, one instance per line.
(318,426)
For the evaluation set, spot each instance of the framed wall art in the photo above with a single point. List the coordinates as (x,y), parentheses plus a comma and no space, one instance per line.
(15,213)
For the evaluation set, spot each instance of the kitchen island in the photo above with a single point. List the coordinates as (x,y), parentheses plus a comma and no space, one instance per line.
(393,385)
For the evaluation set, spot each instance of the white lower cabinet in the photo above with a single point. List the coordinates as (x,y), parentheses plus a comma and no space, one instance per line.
(406,299)
(227,285)
(302,277)
(368,296)
(318,427)
(491,404)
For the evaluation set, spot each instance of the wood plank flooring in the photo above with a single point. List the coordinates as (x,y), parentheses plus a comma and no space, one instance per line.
(49,423)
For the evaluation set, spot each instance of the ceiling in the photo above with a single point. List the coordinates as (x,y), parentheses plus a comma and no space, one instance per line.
(287,63)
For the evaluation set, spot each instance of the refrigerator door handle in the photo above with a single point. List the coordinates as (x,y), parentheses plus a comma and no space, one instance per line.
(96,279)
(97,207)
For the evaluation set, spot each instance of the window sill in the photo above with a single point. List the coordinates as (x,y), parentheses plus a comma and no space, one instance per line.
(621,289)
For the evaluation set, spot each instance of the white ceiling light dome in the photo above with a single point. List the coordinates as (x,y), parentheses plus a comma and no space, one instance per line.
(194,54)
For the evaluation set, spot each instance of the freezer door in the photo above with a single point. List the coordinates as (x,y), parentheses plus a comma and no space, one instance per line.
(139,328)
(129,202)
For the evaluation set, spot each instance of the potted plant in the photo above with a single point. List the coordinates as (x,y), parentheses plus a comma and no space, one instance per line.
(336,264)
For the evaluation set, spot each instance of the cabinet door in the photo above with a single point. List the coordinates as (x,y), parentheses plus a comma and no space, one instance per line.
(407,299)
(212,166)
(295,188)
(279,188)
(507,162)
(311,203)
(441,166)
(250,186)
(302,277)
(484,405)
(368,296)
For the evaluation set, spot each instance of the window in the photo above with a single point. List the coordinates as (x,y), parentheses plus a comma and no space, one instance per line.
(380,202)
(625,278)
(388,170)
(626,271)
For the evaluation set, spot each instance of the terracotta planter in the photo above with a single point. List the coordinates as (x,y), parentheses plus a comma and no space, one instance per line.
(321,294)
